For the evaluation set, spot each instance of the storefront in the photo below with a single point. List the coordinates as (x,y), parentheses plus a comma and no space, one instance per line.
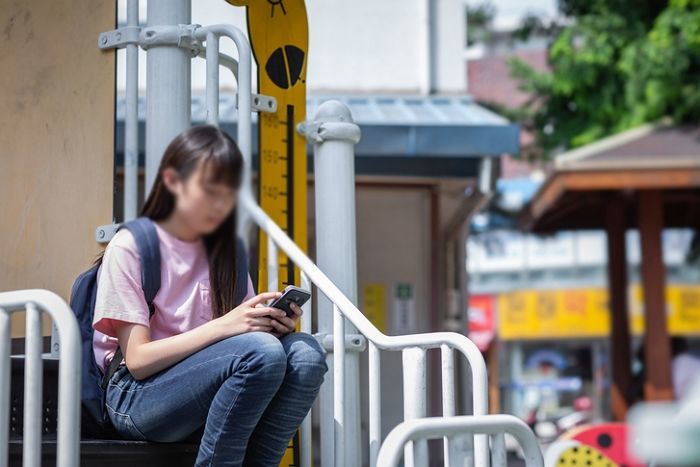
(552,345)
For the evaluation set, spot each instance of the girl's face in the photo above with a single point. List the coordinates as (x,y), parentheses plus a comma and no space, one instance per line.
(200,202)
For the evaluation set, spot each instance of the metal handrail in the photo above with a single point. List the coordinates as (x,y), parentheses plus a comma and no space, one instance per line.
(436,427)
(366,328)
(69,375)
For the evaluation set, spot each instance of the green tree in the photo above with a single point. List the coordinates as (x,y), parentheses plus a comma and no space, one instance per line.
(618,64)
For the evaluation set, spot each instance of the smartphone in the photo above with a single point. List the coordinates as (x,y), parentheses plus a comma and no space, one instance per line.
(291,294)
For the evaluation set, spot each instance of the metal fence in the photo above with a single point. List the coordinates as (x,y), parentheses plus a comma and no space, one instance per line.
(35,302)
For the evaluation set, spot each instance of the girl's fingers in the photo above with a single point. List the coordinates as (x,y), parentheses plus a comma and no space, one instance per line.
(262,297)
(266,310)
(296,309)
(279,326)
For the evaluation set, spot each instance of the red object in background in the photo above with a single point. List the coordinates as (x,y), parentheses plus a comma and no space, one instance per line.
(482,325)
(610,439)
(583,404)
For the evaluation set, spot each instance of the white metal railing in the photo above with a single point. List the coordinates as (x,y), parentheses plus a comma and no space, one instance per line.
(413,346)
(436,427)
(34,301)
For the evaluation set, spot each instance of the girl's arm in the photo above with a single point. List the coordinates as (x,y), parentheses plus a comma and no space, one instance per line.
(145,357)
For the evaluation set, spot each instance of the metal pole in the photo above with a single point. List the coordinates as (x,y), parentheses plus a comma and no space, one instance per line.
(168,104)
(5,373)
(212,79)
(414,402)
(375,404)
(334,135)
(339,390)
(31,452)
(131,118)
(306,449)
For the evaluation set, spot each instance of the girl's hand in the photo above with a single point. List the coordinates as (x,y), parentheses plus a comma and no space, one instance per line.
(251,315)
(285,325)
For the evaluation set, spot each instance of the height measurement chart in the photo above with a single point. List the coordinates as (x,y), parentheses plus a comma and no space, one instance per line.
(278,33)
(279,36)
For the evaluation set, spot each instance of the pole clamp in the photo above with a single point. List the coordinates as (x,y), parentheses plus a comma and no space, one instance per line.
(354,343)
(119,38)
(182,35)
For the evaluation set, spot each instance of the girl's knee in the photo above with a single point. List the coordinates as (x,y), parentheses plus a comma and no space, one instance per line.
(265,353)
(258,351)
(305,354)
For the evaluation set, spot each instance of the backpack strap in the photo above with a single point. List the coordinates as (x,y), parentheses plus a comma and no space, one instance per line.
(148,244)
(241,289)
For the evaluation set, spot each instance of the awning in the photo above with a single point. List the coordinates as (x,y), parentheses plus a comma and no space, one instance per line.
(401,135)
(651,157)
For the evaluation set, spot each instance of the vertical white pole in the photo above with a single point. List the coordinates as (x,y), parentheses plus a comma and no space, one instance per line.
(448,395)
(306,454)
(334,134)
(31,452)
(339,387)
(131,118)
(272,271)
(375,404)
(212,79)
(500,458)
(4,386)
(168,104)
(414,402)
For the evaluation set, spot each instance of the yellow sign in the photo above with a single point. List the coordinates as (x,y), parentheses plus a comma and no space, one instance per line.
(583,313)
(374,304)
(278,31)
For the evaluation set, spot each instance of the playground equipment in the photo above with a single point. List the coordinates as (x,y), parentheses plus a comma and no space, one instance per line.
(171,43)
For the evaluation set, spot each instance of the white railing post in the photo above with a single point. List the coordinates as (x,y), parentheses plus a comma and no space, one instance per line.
(414,402)
(69,374)
(33,376)
(306,449)
(5,373)
(168,96)
(131,118)
(375,404)
(334,134)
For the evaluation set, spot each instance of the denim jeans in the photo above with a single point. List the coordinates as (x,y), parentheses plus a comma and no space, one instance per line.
(248,393)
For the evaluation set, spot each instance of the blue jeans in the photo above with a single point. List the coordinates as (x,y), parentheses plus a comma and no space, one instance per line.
(249,393)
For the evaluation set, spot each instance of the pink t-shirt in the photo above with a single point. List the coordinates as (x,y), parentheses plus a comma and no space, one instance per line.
(181,304)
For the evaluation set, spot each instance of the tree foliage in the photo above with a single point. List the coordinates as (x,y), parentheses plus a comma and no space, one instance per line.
(618,64)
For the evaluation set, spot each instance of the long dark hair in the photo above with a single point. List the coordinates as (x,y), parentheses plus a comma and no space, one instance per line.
(210,145)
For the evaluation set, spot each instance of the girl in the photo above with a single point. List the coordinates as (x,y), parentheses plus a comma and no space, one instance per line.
(239,376)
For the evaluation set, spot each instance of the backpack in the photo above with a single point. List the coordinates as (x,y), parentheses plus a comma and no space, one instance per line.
(95,419)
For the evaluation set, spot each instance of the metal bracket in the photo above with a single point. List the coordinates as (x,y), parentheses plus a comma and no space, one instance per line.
(119,38)
(353,342)
(182,35)
(262,103)
(104,233)
(309,129)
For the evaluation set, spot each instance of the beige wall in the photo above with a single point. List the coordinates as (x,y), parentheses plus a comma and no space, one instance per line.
(56,140)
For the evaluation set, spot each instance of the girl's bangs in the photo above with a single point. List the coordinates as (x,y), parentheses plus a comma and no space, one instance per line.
(222,167)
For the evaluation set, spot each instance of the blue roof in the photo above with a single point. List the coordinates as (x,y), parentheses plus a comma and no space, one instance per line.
(416,135)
